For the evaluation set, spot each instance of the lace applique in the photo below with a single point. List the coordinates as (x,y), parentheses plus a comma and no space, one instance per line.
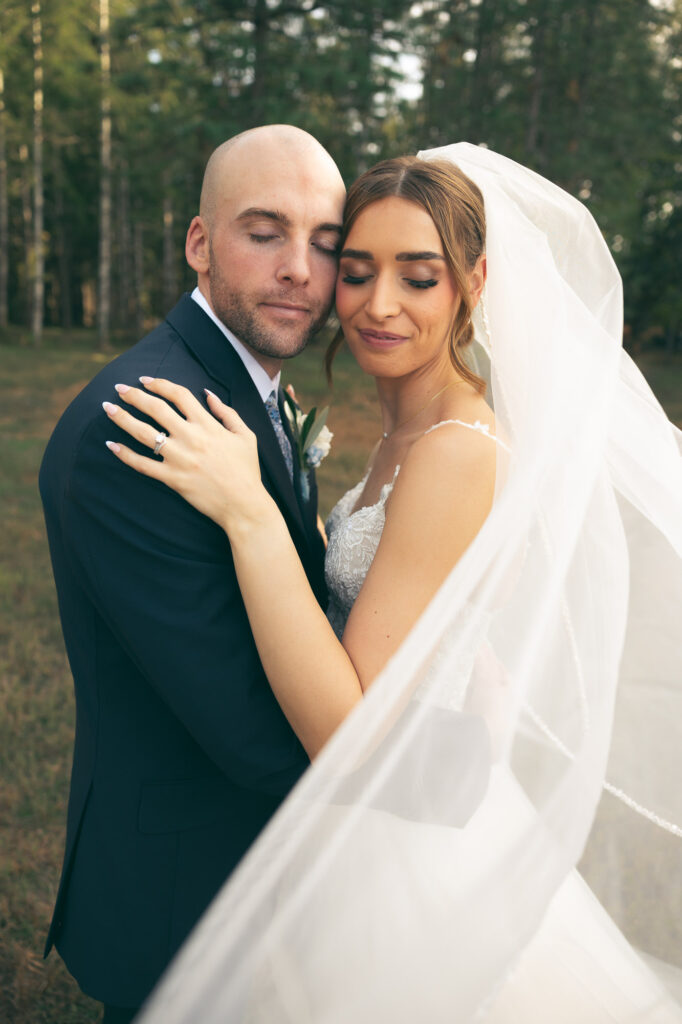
(353,541)
(481,428)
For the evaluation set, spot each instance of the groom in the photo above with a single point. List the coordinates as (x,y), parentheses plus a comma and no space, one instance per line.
(182,753)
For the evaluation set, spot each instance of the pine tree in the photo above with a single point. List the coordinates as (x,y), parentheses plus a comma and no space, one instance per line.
(104,276)
(38,259)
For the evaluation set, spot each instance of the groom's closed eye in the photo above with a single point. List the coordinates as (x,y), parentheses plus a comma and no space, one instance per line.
(326,238)
(264,225)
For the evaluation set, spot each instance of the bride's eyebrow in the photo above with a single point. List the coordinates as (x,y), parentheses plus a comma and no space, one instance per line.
(403,257)
(357,254)
(415,257)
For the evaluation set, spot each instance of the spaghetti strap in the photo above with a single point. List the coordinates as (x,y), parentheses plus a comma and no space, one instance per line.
(480,428)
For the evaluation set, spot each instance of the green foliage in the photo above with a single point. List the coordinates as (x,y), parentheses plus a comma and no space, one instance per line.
(587,94)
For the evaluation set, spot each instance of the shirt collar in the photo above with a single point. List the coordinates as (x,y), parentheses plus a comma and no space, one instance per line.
(264,383)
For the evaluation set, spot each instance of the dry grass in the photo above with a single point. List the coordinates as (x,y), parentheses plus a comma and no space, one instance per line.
(36,726)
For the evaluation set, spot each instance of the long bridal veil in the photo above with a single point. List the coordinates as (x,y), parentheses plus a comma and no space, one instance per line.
(530,723)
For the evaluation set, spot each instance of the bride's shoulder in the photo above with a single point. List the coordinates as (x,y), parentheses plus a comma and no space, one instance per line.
(454,460)
(446,485)
(459,439)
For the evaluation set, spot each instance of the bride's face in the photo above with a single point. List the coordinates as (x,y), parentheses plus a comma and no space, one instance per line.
(395,294)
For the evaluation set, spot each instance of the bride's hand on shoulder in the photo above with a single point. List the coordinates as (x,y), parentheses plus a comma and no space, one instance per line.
(209,457)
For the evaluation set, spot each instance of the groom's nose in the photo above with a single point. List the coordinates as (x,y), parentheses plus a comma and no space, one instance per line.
(294,265)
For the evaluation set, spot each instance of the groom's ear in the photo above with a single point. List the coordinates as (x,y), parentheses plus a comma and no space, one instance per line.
(196,246)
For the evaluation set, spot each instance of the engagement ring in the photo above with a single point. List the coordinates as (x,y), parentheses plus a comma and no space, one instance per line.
(159,442)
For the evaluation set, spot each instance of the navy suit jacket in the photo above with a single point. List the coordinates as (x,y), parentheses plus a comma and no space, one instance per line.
(182,753)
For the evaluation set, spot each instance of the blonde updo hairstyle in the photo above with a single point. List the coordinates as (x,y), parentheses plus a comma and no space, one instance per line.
(455,205)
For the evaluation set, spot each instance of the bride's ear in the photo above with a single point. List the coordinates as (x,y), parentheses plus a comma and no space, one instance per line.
(477,279)
(196,246)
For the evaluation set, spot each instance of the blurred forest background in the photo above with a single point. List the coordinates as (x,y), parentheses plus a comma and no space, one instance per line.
(110,108)
(108,112)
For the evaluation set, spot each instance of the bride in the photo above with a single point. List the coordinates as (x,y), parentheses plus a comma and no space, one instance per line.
(496,689)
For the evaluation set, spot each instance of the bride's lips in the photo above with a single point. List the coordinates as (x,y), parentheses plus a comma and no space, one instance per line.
(288,310)
(381,339)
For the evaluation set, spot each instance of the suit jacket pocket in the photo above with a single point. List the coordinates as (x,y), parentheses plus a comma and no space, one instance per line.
(180,806)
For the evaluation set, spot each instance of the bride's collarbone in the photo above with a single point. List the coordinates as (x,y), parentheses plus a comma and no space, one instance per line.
(382,471)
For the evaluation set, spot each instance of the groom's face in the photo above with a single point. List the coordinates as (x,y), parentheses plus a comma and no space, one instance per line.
(272,254)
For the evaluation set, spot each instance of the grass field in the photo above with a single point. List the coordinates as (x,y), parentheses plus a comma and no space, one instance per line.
(36,726)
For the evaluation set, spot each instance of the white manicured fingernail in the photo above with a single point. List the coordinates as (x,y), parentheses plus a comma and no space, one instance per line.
(209,393)
(113,446)
(121,388)
(146,380)
(110,409)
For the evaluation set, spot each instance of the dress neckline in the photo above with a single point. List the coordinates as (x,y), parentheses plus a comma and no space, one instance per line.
(481,428)
(383,493)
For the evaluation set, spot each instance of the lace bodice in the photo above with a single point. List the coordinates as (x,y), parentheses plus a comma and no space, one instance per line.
(354,538)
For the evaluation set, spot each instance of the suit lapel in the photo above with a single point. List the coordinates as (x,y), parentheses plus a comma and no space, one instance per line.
(213,350)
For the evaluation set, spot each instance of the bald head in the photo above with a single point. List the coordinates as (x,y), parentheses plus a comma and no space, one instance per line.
(268,147)
(265,243)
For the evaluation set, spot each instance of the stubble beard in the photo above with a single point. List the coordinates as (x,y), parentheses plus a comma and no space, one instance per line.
(240,314)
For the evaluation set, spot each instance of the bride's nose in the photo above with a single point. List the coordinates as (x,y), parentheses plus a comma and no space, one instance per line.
(382,301)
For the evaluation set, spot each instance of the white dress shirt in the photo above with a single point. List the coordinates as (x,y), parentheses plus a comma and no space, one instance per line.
(265,384)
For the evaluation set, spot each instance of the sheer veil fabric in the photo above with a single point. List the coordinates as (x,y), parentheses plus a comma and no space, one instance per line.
(424,867)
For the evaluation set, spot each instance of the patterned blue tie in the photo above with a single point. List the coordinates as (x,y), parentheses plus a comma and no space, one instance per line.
(284,443)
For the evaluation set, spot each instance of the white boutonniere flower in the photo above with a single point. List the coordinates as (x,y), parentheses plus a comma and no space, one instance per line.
(312,438)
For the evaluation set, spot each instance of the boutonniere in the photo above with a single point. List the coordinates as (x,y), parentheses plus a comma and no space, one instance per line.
(312,438)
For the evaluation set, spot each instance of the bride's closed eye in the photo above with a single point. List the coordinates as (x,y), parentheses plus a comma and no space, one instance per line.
(413,282)
(354,279)
(430,283)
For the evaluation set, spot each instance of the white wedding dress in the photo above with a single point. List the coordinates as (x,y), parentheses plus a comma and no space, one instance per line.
(423,869)
(578,968)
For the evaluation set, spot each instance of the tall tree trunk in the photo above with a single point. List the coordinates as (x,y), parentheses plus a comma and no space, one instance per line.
(125,254)
(372,23)
(534,141)
(583,80)
(38,196)
(104,277)
(483,69)
(170,277)
(62,246)
(4,211)
(260,60)
(138,271)
(27,222)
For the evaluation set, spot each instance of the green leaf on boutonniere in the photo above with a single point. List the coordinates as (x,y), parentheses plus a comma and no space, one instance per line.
(307,429)
(307,426)
(315,428)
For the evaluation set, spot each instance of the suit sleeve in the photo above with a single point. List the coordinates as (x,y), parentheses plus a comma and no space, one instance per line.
(161,576)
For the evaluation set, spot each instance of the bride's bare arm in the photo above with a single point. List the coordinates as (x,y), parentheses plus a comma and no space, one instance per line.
(441,497)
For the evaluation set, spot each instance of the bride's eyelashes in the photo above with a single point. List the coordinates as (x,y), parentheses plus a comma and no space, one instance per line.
(352,279)
(430,283)
(413,282)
